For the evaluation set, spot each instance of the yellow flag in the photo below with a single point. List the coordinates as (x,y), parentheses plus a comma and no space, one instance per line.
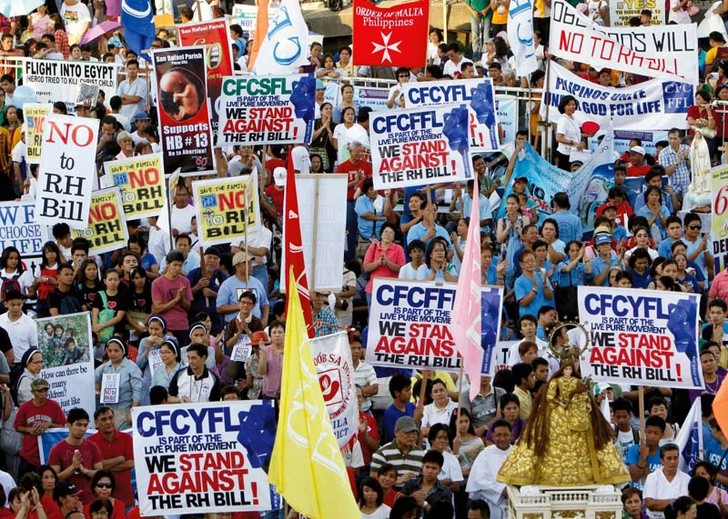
(306,466)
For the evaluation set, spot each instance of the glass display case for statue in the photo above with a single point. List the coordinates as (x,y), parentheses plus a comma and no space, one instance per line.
(584,502)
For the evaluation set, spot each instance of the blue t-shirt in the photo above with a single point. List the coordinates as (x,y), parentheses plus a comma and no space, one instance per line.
(573,278)
(391,415)
(523,287)
(599,265)
(633,458)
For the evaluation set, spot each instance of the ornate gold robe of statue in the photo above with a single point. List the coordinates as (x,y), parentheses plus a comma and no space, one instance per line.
(570,456)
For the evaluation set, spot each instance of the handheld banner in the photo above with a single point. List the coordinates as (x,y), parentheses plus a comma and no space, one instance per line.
(54,80)
(184,117)
(19,229)
(419,146)
(34,115)
(66,344)
(622,11)
(409,325)
(653,105)
(67,169)
(719,222)
(332,358)
(322,230)
(390,37)
(477,94)
(587,187)
(662,51)
(245,16)
(106,229)
(214,34)
(203,457)
(641,337)
(227,209)
(267,109)
(141,183)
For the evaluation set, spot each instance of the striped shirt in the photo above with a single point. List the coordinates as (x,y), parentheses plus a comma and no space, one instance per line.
(405,463)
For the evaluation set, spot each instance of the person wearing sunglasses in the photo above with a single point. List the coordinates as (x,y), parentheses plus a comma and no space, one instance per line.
(698,250)
(103,486)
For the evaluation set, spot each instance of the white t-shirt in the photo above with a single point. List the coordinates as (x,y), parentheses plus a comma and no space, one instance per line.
(23,334)
(451,469)
(158,243)
(25,280)
(380,513)
(433,415)
(570,129)
(262,238)
(658,487)
(679,16)
(182,218)
(450,67)
(76,18)
(409,272)
(137,88)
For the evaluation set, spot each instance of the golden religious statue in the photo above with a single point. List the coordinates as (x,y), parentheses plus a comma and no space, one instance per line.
(566,441)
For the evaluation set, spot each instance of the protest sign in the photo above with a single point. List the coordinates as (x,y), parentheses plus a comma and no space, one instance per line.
(665,51)
(67,170)
(227,209)
(323,229)
(639,337)
(332,358)
(214,35)
(184,117)
(719,222)
(476,93)
(409,325)
(622,11)
(390,37)
(245,16)
(106,229)
(141,183)
(653,105)
(34,115)
(54,80)
(418,146)
(506,109)
(68,364)
(587,187)
(19,229)
(501,353)
(267,109)
(203,457)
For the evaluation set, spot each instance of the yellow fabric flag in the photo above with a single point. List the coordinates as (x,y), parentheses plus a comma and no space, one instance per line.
(306,467)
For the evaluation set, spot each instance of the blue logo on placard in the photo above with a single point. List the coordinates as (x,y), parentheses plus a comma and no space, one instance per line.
(120,179)
(677,97)
(209,201)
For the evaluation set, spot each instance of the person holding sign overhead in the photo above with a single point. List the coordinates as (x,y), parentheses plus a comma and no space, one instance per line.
(119,383)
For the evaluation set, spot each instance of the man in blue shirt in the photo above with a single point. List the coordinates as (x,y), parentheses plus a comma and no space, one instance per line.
(428,228)
(643,459)
(569,224)
(372,210)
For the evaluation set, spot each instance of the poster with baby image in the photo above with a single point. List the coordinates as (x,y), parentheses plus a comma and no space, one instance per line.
(66,346)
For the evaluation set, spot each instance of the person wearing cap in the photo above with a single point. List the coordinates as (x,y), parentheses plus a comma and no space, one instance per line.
(637,166)
(76,459)
(66,495)
(253,379)
(403,452)
(117,453)
(231,289)
(258,246)
(32,419)
(195,383)
(119,382)
(604,261)
(133,90)
(568,133)
(206,281)
(32,363)
(172,296)
(276,189)
(141,122)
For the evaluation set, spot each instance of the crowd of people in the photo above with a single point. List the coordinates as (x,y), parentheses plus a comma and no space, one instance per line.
(166,315)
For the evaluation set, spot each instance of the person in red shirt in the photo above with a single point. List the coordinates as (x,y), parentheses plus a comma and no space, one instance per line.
(75,459)
(66,496)
(637,166)
(368,434)
(276,190)
(117,453)
(356,169)
(33,418)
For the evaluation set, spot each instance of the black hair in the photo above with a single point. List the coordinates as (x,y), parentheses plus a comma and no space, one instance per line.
(398,382)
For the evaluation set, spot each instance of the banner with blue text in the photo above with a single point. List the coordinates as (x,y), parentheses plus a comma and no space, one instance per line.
(639,337)
(409,325)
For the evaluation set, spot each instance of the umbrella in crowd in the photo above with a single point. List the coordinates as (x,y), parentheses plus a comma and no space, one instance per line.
(11,8)
(96,32)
